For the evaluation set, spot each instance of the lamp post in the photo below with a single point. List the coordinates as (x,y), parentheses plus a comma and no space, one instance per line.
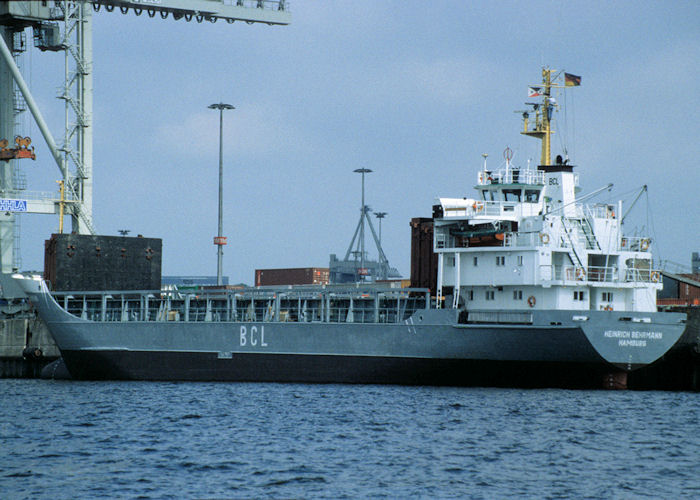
(220,240)
(362,171)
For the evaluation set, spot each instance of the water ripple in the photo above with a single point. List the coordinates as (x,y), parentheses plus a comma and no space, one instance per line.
(165,440)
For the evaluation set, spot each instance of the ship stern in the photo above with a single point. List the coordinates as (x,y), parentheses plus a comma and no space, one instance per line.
(633,340)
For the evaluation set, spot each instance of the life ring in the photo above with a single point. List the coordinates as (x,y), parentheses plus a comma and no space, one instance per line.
(655,276)
(481,177)
(623,243)
(531,301)
(478,206)
(544,237)
(644,245)
(608,308)
(580,273)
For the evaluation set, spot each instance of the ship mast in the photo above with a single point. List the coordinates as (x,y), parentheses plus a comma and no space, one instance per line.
(543,118)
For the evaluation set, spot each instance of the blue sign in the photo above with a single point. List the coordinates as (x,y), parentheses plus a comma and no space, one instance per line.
(13,205)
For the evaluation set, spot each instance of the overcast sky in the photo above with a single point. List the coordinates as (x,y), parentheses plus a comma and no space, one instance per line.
(414,90)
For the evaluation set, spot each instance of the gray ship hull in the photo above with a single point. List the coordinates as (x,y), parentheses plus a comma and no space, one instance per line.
(557,349)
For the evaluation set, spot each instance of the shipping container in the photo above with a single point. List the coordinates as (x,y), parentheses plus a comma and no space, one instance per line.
(292,276)
(89,262)
(423,259)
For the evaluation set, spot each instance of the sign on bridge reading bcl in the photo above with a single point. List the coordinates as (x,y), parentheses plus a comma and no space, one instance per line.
(13,205)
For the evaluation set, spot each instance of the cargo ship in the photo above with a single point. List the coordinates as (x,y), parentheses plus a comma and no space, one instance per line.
(534,288)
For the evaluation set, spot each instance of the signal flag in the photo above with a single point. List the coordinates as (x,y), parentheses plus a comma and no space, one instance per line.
(571,80)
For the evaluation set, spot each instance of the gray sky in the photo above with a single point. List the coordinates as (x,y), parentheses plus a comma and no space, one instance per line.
(414,90)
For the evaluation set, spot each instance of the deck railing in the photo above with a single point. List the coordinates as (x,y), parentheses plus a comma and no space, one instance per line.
(261,305)
(511,176)
(598,274)
(643,275)
(600,211)
(529,239)
(635,244)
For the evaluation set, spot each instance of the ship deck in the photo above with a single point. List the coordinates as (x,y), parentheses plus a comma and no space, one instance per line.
(330,304)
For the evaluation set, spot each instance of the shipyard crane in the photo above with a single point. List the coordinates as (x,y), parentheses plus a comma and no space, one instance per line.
(358,268)
(66,26)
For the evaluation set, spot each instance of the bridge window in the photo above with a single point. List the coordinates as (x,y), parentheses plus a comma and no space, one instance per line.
(532,195)
(607,296)
(487,195)
(490,295)
(512,194)
(579,295)
(500,260)
(517,295)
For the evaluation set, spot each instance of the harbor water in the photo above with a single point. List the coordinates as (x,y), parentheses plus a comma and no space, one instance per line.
(61,439)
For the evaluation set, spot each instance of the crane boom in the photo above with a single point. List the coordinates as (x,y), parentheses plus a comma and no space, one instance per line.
(250,11)
(634,202)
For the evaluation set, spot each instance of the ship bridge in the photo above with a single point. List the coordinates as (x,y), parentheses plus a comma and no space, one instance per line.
(507,194)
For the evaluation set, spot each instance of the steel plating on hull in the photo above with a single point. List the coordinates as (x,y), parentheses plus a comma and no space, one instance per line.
(421,346)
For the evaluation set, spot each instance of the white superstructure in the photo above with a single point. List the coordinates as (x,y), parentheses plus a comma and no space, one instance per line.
(525,241)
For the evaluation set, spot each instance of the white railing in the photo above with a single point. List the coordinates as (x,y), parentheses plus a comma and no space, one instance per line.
(590,274)
(511,176)
(602,274)
(515,176)
(483,208)
(530,239)
(598,274)
(635,244)
(522,239)
(444,240)
(643,276)
(600,211)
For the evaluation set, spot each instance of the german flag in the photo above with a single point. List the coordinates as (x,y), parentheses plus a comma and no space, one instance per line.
(571,80)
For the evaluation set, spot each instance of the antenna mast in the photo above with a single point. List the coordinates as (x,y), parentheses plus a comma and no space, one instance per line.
(544,111)
(543,116)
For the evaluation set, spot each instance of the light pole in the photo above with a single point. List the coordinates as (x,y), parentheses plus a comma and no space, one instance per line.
(362,171)
(220,240)
(380,216)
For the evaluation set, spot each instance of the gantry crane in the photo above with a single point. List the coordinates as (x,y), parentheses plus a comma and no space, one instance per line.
(66,26)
